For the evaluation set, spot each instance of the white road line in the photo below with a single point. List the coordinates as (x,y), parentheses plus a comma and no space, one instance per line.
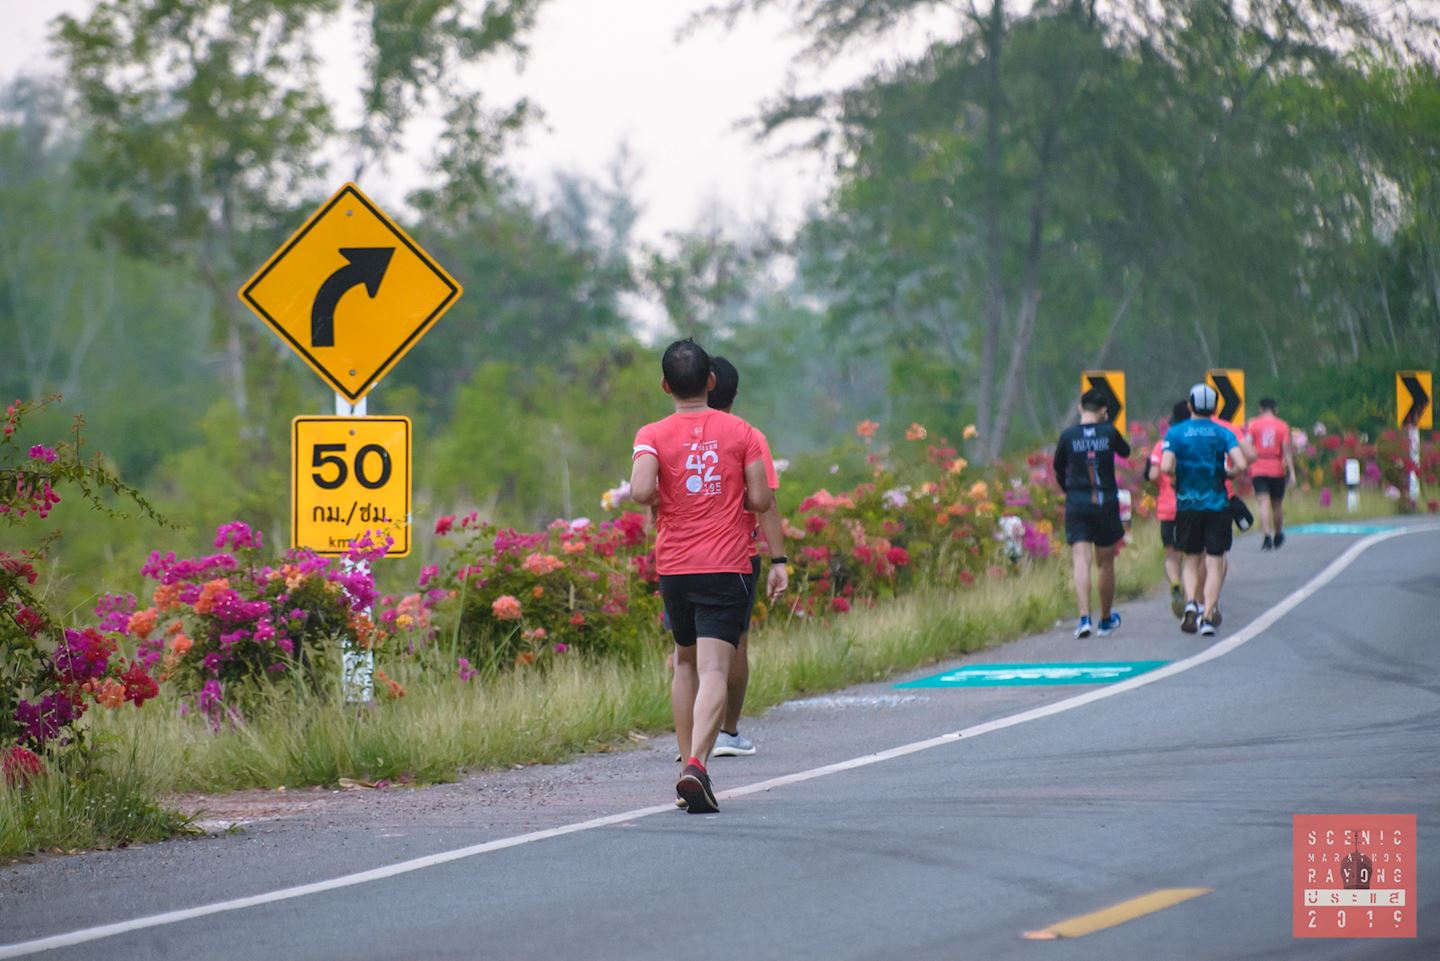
(1249,632)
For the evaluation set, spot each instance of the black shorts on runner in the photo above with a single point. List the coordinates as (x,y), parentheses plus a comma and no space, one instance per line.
(1204,532)
(1099,524)
(707,605)
(1167,534)
(1273,487)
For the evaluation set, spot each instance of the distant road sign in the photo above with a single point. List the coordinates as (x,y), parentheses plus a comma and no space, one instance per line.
(1112,382)
(1414,399)
(1004,675)
(349,475)
(1230,385)
(350,292)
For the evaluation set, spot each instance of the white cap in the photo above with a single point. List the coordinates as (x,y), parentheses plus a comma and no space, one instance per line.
(1203,398)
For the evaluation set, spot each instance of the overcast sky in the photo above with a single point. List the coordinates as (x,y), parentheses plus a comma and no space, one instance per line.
(605,72)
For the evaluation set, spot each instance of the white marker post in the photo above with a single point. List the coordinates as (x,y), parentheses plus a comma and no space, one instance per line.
(1415,464)
(357,667)
(1352,485)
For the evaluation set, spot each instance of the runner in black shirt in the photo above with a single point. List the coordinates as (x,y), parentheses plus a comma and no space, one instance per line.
(1085,470)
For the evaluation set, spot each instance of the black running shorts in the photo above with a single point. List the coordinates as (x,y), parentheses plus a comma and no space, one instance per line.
(1204,532)
(1167,534)
(707,605)
(1099,524)
(1272,487)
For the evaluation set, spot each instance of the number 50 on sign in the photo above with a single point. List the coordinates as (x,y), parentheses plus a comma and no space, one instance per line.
(350,475)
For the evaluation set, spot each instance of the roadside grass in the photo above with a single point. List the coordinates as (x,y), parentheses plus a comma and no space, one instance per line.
(113,804)
(443,727)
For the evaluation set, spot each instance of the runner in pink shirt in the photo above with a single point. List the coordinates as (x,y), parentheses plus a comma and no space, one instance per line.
(1165,513)
(1274,462)
(704,470)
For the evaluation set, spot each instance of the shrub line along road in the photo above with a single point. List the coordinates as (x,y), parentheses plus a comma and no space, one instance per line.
(1148,818)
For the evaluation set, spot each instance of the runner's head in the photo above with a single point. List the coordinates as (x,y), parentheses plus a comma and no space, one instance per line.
(1181,411)
(727,384)
(686,367)
(1203,400)
(1267,404)
(1093,405)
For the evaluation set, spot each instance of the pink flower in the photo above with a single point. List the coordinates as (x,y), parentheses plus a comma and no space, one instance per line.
(561,647)
(839,605)
(506,608)
(42,453)
(443,524)
(898,556)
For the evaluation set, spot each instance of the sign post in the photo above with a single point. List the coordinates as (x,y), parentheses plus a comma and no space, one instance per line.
(351,293)
(1112,384)
(1229,384)
(1413,411)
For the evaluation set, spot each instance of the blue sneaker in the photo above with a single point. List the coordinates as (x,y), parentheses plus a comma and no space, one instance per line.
(1084,628)
(1108,624)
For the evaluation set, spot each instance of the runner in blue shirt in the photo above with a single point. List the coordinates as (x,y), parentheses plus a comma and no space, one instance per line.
(1201,453)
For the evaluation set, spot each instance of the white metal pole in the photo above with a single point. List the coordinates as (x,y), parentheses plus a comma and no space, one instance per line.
(357,667)
(1415,462)
(1352,485)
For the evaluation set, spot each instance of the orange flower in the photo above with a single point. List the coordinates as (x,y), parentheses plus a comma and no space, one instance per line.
(393,688)
(205,603)
(573,547)
(538,592)
(979,489)
(142,622)
(167,596)
(958,464)
(866,429)
(540,564)
(506,608)
(916,432)
(970,433)
(180,644)
(524,658)
(111,694)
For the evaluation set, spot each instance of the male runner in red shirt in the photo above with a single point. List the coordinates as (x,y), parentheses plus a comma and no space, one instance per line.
(1274,460)
(704,470)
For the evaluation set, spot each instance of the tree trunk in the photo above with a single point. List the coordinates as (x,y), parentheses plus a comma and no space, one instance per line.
(1029,307)
(994,34)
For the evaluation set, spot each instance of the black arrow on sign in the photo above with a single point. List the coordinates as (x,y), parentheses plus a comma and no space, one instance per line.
(1419,400)
(1112,401)
(367,266)
(1229,400)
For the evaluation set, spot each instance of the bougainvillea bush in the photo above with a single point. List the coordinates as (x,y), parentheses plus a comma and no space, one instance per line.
(51,676)
(219,627)
(520,599)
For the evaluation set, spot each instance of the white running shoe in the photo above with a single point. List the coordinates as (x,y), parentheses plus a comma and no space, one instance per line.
(732,745)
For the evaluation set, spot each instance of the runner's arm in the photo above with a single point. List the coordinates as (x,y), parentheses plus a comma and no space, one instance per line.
(1059,464)
(1122,446)
(758,496)
(773,529)
(645,479)
(1167,463)
(1238,461)
(1289,450)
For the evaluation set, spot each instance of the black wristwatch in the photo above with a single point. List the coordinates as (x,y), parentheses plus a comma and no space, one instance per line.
(779,559)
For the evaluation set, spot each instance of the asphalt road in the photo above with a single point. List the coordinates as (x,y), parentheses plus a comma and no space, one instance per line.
(951,848)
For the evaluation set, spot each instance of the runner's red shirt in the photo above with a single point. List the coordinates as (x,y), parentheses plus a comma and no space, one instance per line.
(1269,434)
(702,526)
(1165,484)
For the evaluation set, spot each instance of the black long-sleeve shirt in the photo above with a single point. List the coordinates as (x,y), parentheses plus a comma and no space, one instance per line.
(1085,462)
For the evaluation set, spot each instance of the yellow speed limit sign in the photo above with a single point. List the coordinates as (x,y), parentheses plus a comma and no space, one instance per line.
(350,476)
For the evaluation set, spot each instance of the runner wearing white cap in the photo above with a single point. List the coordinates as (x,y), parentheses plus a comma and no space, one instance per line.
(1200,453)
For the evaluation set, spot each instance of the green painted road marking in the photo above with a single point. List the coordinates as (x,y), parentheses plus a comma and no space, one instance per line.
(1002,675)
(1340,529)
